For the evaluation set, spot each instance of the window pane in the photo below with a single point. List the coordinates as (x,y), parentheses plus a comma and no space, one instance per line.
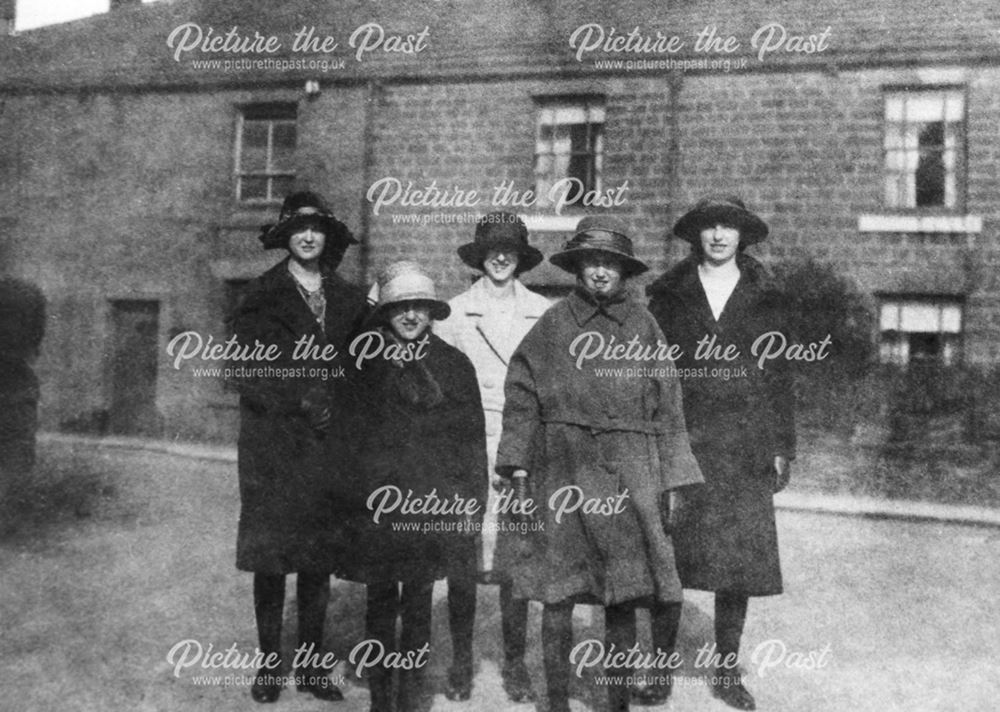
(281,186)
(918,317)
(570,115)
(894,108)
(925,107)
(954,107)
(930,177)
(579,138)
(543,164)
(253,188)
(951,318)
(888,317)
(283,147)
(893,136)
(253,152)
(925,347)
(580,168)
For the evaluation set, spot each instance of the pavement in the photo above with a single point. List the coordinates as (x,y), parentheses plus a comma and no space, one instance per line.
(845,505)
(885,607)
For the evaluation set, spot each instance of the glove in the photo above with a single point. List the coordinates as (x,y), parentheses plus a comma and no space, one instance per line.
(522,495)
(316,406)
(782,472)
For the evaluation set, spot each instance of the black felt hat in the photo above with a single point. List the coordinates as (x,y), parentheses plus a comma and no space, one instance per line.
(599,233)
(500,231)
(727,210)
(303,209)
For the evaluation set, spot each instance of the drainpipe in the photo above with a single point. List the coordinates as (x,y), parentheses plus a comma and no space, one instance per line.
(373,96)
(675,81)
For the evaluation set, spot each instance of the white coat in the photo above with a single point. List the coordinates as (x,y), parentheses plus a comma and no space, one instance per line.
(474,329)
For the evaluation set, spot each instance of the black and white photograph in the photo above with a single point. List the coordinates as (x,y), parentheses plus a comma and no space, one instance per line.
(538,355)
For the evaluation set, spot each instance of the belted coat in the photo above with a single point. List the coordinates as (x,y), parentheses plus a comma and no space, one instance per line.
(605,431)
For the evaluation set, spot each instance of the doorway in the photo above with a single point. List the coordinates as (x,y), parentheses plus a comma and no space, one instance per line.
(135,328)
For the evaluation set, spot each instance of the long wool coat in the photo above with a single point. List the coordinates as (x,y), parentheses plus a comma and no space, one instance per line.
(725,537)
(489,343)
(288,473)
(422,436)
(602,433)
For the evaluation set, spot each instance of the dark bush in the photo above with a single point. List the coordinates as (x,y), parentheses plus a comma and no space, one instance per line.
(835,393)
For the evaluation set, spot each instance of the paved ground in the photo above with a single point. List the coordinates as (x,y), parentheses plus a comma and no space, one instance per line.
(90,609)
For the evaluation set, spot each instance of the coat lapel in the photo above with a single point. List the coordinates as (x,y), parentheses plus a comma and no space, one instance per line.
(289,308)
(499,339)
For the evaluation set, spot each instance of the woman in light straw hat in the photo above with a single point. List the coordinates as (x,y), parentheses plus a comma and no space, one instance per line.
(594,430)
(742,429)
(290,444)
(419,433)
(487,323)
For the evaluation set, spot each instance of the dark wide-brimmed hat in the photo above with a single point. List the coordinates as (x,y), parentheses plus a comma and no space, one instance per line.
(303,209)
(599,233)
(500,231)
(727,210)
(406,281)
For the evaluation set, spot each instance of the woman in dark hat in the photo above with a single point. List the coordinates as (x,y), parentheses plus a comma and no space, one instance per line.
(487,323)
(742,429)
(419,433)
(290,444)
(586,428)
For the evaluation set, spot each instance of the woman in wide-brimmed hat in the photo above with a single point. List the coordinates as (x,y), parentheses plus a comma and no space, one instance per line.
(487,323)
(419,430)
(290,443)
(742,429)
(589,427)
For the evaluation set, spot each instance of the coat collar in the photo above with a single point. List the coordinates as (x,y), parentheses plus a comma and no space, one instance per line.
(286,303)
(584,307)
(476,305)
(477,300)
(682,284)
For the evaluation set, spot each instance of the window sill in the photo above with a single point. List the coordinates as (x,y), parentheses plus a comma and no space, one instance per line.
(968,224)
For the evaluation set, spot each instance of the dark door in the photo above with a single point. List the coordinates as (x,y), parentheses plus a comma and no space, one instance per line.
(135,326)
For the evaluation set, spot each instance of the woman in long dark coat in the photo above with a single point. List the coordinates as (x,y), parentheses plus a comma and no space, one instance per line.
(594,430)
(419,433)
(290,440)
(741,425)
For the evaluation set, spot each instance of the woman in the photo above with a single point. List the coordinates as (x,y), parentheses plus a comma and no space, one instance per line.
(584,428)
(420,434)
(487,323)
(742,429)
(289,443)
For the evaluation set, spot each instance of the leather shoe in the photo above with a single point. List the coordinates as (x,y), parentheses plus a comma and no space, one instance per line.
(318,684)
(729,689)
(517,681)
(266,687)
(651,695)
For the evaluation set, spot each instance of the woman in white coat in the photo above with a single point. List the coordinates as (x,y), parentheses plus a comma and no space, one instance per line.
(487,324)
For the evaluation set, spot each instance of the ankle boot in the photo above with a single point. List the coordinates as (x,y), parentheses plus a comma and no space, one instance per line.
(557,642)
(412,690)
(380,690)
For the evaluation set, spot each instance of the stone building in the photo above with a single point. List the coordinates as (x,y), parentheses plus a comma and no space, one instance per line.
(142,149)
